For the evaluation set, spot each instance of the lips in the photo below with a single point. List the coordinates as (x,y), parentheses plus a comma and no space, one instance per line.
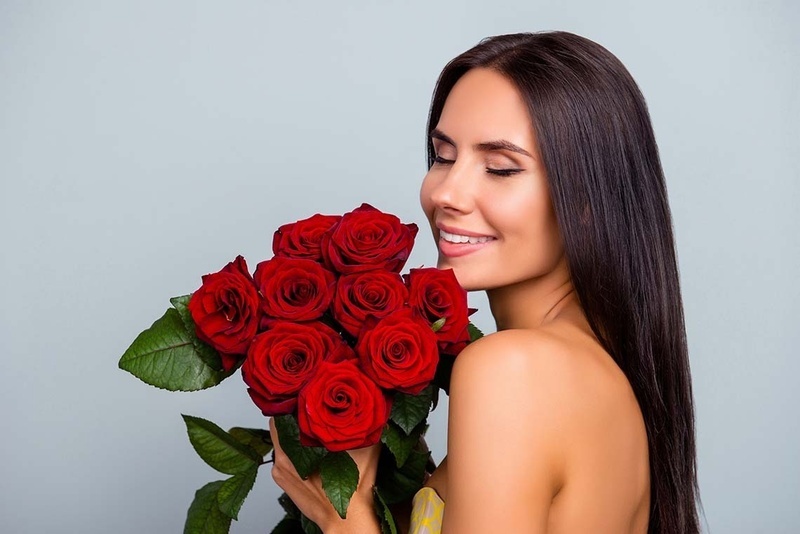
(459,231)
(453,249)
(453,238)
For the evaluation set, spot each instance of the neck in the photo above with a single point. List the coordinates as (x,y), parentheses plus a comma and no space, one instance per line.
(534,302)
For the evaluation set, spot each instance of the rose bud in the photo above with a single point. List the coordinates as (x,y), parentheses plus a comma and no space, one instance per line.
(281,361)
(378,293)
(434,294)
(226,311)
(341,408)
(366,239)
(294,289)
(302,239)
(398,352)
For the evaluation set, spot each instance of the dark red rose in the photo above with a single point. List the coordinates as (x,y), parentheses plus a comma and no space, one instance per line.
(226,311)
(435,293)
(399,352)
(341,408)
(280,362)
(294,289)
(336,348)
(366,239)
(378,293)
(302,239)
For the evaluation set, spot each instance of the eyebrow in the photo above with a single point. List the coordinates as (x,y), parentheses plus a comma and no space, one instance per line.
(500,144)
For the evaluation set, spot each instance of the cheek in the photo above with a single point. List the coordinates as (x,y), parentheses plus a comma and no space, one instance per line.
(536,238)
(546,237)
(425,196)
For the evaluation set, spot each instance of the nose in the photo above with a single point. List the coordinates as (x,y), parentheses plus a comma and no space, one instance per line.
(453,190)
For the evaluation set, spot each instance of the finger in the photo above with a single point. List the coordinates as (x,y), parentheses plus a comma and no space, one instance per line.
(281,468)
(278,455)
(273,434)
(281,461)
(366,458)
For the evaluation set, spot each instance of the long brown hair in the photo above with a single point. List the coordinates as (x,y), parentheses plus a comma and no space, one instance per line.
(608,193)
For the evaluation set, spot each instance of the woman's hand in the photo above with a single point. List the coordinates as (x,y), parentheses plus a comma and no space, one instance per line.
(310,498)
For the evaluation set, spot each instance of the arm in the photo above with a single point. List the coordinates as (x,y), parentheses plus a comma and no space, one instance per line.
(508,407)
(310,498)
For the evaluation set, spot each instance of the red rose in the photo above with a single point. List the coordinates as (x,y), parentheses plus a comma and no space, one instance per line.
(435,293)
(341,408)
(280,362)
(366,239)
(302,239)
(336,348)
(399,352)
(294,289)
(377,293)
(226,311)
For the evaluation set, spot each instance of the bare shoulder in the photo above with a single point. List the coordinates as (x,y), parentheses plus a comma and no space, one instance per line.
(509,350)
(514,397)
(556,366)
(559,385)
(536,414)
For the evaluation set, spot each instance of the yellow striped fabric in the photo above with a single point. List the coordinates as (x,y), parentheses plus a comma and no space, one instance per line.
(427,509)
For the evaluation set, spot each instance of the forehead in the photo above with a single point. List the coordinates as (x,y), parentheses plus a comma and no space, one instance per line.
(484,105)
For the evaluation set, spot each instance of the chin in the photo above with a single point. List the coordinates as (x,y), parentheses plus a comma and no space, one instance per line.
(465,279)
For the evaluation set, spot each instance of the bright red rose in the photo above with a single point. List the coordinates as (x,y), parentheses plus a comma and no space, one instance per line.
(302,239)
(366,239)
(294,289)
(435,293)
(280,362)
(399,352)
(226,311)
(378,293)
(341,408)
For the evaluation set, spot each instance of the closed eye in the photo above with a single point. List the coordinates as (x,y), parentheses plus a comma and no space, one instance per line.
(503,172)
(497,172)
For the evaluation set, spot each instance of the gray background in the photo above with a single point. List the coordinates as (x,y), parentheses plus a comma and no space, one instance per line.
(143,144)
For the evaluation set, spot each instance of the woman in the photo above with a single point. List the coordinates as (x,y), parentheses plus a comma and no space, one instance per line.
(545,189)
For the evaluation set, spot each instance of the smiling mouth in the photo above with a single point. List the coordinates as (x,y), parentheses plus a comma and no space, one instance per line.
(457,247)
(457,239)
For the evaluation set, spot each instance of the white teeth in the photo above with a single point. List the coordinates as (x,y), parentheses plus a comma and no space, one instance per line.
(455,238)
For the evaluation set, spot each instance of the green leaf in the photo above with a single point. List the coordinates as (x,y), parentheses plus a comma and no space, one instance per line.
(388,525)
(288,525)
(309,527)
(218,448)
(204,350)
(435,396)
(302,523)
(256,438)
(474,332)
(204,515)
(339,475)
(438,324)
(289,506)
(400,484)
(399,443)
(233,492)
(305,459)
(165,356)
(444,369)
(410,410)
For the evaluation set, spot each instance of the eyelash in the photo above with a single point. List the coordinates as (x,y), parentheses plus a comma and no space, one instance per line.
(496,172)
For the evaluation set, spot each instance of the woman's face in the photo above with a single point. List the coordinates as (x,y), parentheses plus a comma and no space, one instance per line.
(486,197)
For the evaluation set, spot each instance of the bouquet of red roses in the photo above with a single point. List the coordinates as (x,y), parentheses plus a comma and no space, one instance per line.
(333,342)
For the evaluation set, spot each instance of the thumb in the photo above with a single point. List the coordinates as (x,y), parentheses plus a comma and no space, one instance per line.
(366,459)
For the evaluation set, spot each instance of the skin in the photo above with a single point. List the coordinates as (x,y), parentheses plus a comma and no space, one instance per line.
(544,432)
(311,500)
